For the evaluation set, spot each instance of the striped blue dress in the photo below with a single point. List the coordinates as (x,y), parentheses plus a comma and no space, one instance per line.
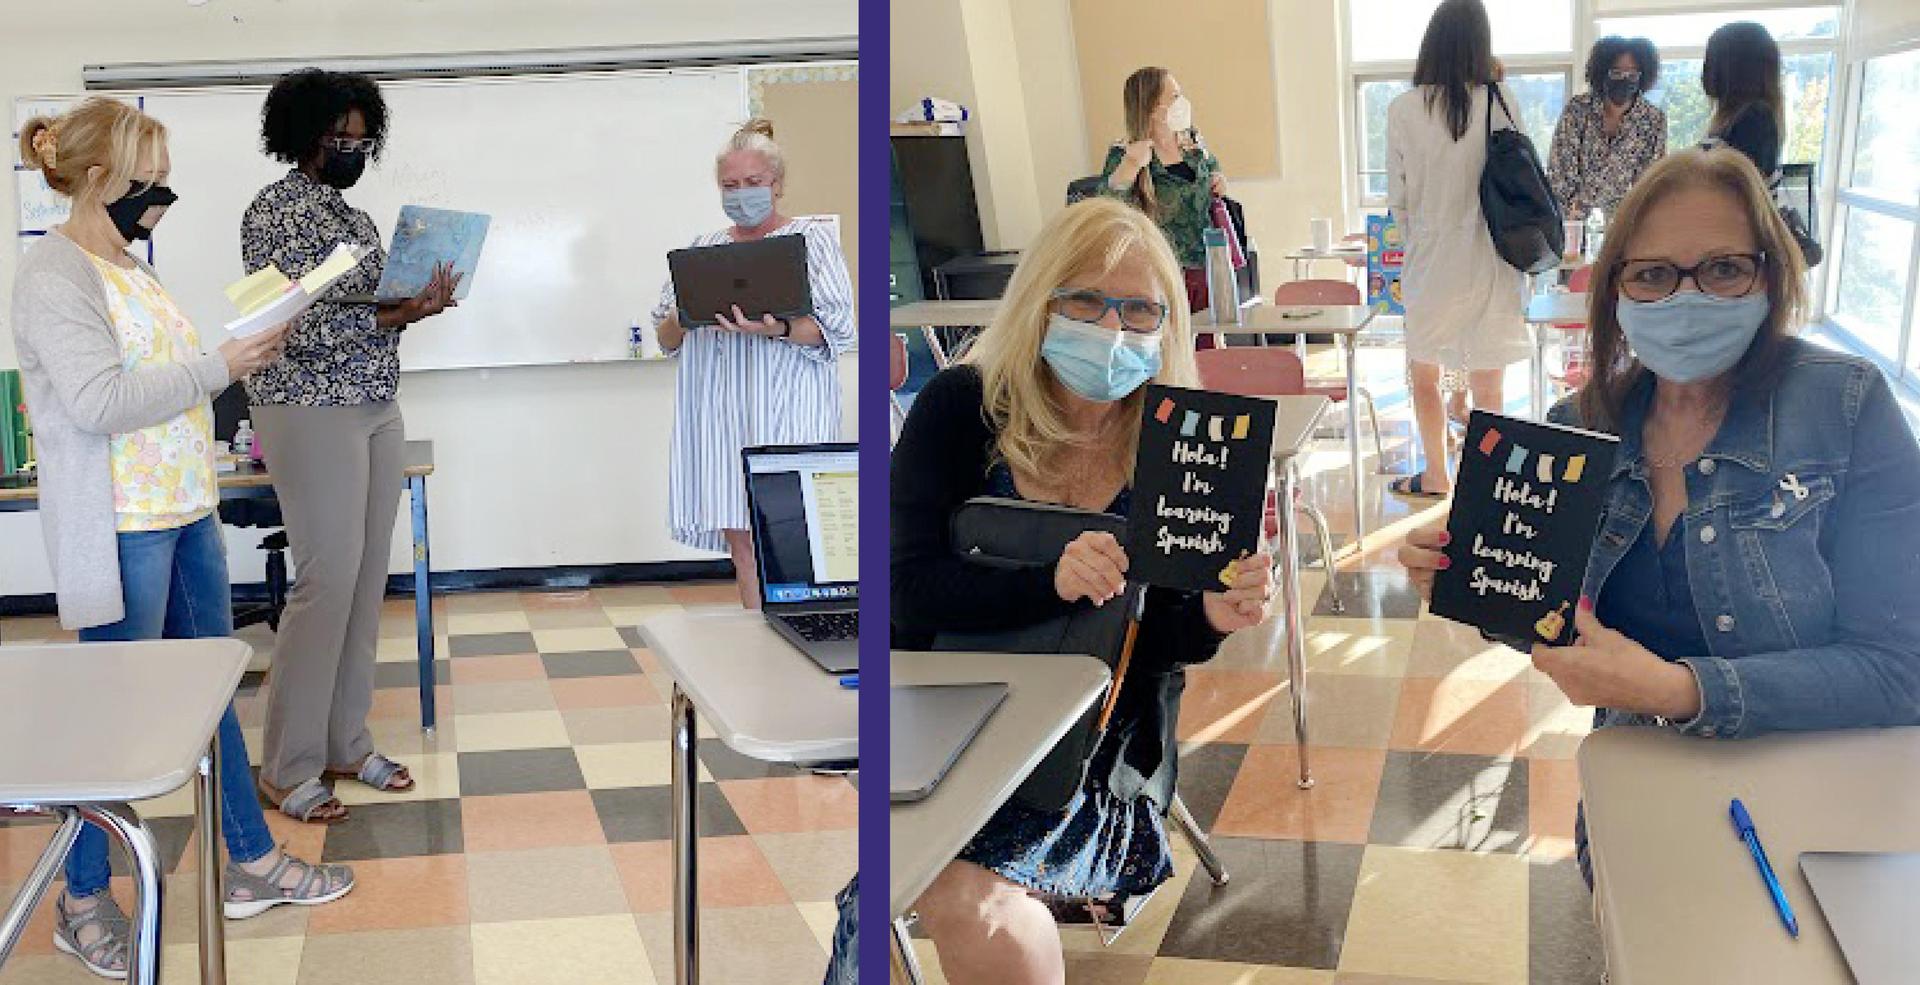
(739,390)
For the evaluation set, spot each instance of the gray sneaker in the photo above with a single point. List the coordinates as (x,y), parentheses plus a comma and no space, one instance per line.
(105,953)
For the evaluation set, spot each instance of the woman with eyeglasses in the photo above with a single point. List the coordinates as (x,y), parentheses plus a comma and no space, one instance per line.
(1758,551)
(742,381)
(1609,134)
(1045,407)
(332,437)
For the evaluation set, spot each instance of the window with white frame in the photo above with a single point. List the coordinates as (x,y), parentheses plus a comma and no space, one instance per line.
(1534,38)
(1872,296)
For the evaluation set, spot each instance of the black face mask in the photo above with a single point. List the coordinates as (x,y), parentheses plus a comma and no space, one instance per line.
(127,210)
(1621,91)
(342,170)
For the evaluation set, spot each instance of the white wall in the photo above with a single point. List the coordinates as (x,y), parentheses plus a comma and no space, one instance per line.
(537,466)
(1015,59)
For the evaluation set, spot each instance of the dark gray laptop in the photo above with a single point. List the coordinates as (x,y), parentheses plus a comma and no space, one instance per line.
(764,277)
(805,512)
(1872,902)
(928,727)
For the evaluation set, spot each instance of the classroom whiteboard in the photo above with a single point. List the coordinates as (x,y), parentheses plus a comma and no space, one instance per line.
(590,180)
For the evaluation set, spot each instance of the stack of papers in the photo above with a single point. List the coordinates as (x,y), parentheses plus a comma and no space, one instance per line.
(267,299)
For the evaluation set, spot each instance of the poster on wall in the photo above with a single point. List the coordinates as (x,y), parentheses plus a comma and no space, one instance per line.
(1386,255)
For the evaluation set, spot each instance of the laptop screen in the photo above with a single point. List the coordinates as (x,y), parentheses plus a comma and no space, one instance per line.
(806,521)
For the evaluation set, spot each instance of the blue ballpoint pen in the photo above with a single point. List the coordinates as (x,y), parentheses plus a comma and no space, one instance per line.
(1743,823)
(850,681)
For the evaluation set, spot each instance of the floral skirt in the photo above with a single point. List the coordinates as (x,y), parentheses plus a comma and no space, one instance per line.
(1098,845)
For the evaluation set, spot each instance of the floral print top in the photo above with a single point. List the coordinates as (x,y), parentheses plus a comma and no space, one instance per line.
(337,355)
(1184,195)
(163,476)
(1589,169)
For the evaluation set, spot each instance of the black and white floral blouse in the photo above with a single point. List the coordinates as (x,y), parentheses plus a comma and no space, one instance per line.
(336,354)
(1590,169)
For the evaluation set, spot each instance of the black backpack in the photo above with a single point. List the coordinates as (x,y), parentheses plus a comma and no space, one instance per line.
(1520,209)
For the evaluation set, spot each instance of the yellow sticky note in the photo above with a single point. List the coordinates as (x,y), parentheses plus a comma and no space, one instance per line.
(338,262)
(258,289)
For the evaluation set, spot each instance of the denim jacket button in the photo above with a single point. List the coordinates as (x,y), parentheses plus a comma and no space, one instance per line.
(1707,466)
(1707,535)
(1723,623)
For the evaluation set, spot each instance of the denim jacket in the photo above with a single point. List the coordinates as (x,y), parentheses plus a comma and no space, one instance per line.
(1802,538)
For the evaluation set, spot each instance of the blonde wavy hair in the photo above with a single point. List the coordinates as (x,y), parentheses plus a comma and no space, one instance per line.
(100,132)
(1021,399)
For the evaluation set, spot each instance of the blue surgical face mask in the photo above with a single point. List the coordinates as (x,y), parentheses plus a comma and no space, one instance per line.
(1691,336)
(747,207)
(1099,363)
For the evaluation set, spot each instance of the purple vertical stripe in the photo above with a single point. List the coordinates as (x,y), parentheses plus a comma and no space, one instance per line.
(871,394)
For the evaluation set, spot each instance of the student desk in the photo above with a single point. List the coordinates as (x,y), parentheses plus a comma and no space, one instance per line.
(1543,310)
(1344,322)
(764,699)
(1344,253)
(1046,694)
(1294,419)
(1677,896)
(153,708)
(251,481)
(929,316)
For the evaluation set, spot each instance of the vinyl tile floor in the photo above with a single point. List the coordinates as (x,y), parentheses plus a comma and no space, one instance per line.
(1436,845)
(534,848)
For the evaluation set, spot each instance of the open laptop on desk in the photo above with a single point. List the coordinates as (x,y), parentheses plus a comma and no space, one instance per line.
(804,504)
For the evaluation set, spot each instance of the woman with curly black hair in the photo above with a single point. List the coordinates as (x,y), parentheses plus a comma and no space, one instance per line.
(1609,134)
(332,436)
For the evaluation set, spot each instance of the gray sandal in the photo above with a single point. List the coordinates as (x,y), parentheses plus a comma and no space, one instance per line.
(106,955)
(249,895)
(304,802)
(376,771)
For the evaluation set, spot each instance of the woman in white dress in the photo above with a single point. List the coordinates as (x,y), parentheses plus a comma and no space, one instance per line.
(745,382)
(1463,302)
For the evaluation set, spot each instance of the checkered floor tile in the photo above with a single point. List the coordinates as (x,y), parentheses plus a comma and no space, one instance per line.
(534,848)
(1436,844)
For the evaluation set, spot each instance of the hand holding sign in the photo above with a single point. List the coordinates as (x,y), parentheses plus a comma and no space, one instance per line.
(1606,669)
(1248,599)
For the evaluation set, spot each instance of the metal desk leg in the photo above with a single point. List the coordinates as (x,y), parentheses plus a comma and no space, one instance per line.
(933,346)
(120,821)
(27,898)
(213,918)
(686,834)
(422,598)
(906,963)
(1539,373)
(1296,618)
(1349,347)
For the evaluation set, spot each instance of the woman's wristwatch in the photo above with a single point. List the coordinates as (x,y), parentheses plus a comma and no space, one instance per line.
(786,328)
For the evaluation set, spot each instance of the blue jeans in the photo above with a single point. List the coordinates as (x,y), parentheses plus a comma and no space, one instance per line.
(175,587)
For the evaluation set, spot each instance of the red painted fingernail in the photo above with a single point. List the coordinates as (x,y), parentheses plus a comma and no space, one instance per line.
(1586,603)
(1445,563)
(1445,538)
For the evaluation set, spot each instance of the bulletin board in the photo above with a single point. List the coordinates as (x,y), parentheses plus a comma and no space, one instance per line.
(1223,59)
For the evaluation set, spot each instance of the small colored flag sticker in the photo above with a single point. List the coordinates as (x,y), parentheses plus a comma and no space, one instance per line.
(1544,469)
(1575,466)
(1241,425)
(1489,441)
(1164,412)
(1214,428)
(1190,424)
(1517,459)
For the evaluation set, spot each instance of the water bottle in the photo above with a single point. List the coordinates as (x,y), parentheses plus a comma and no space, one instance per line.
(1595,232)
(243,439)
(636,342)
(1223,291)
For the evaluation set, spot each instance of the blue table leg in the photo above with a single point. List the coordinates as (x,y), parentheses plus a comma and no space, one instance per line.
(422,598)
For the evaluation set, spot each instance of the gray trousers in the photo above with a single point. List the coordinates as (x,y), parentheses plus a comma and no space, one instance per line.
(337,473)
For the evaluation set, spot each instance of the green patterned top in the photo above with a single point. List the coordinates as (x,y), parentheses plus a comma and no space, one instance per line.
(1185,206)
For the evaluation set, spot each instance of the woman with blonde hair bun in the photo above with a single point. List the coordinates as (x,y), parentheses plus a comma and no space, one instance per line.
(745,382)
(120,392)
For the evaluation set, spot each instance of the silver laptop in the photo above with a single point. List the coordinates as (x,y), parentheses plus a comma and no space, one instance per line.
(928,727)
(804,504)
(1872,902)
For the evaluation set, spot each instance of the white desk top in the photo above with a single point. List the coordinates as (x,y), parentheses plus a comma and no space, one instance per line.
(150,710)
(943,314)
(1348,251)
(1293,423)
(1560,307)
(1679,897)
(763,698)
(1047,693)
(1315,319)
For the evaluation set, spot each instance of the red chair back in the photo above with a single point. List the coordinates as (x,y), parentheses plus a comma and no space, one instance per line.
(1316,292)
(1577,283)
(896,360)
(1252,372)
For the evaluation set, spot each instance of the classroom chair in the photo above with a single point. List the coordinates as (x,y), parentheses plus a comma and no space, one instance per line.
(1332,292)
(1271,372)
(1571,369)
(896,378)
